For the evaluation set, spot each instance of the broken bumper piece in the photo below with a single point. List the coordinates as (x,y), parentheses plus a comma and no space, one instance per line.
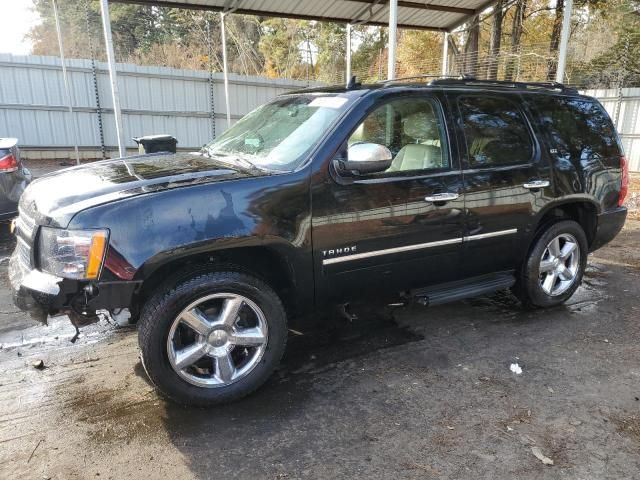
(33,291)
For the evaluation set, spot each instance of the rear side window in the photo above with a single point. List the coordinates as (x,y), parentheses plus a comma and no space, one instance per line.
(496,132)
(579,128)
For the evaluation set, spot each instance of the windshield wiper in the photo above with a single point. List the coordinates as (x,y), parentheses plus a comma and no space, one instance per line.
(233,160)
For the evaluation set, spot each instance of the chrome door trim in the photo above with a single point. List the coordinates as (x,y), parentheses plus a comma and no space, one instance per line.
(482,236)
(537,184)
(442,197)
(389,251)
(418,246)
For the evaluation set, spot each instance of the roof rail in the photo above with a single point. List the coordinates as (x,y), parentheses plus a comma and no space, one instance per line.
(424,77)
(469,81)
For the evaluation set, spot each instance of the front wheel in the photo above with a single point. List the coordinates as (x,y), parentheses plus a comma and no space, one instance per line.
(555,265)
(213,338)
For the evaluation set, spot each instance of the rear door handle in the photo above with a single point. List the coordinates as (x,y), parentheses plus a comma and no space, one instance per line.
(442,197)
(536,184)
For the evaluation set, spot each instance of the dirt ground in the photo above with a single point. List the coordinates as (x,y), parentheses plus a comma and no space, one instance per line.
(403,392)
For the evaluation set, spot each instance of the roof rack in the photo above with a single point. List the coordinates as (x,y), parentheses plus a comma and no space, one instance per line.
(424,77)
(473,82)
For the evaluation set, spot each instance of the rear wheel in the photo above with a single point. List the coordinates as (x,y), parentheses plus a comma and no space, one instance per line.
(213,338)
(555,265)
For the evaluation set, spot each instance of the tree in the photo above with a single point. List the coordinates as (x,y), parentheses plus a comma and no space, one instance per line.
(619,64)
(330,41)
(496,40)
(419,53)
(516,38)
(472,48)
(368,62)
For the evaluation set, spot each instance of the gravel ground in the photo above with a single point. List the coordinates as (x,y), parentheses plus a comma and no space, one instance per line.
(403,392)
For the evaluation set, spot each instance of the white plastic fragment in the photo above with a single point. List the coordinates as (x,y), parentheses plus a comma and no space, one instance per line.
(515,368)
(541,456)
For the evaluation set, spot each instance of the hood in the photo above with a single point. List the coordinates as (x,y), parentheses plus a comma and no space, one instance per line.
(54,198)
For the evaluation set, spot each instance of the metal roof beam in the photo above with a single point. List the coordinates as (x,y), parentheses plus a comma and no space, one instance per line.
(426,6)
(262,13)
(477,11)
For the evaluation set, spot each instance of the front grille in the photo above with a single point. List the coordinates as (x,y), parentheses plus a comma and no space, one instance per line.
(24,252)
(25,224)
(25,233)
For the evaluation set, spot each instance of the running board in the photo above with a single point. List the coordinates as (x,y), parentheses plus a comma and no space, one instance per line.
(472,287)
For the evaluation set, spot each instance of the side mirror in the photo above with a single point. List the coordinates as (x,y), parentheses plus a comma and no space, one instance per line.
(364,158)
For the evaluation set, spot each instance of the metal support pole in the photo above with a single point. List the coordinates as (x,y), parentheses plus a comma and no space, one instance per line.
(94,76)
(348,56)
(212,88)
(445,54)
(65,79)
(224,68)
(564,40)
(115,95)
(393,39)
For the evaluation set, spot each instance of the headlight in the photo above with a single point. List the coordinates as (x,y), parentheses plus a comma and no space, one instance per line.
(74,254)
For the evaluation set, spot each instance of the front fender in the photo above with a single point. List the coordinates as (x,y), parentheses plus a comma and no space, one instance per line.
(147,230)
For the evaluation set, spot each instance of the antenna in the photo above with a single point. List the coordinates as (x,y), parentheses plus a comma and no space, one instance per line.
(353,83)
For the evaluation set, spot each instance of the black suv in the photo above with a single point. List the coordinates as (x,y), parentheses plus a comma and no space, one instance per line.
(437,191)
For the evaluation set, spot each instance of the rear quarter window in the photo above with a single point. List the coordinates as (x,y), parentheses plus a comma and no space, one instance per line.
(578,128)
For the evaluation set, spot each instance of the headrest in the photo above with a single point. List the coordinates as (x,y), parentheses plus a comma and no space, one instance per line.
(421,126)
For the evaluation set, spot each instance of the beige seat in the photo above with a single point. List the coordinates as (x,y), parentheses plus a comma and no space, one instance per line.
(420,126)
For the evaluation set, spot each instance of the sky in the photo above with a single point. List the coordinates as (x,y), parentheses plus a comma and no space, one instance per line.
(16,18)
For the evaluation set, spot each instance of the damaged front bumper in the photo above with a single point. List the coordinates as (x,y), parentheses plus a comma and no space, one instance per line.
(34,291)
(43,295)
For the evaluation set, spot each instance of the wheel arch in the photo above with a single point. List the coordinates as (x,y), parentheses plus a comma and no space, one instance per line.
(583,210)
(270,263)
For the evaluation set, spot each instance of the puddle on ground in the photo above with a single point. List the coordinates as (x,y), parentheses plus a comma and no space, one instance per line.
(131,409)
(58,331)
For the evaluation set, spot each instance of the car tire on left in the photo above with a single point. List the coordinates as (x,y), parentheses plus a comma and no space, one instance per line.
(212,338)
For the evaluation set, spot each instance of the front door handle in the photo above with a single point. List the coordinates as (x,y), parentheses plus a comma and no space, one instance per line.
(533,184)
(442,197)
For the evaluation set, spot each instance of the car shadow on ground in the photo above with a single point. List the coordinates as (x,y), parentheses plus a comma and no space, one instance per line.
(325,384)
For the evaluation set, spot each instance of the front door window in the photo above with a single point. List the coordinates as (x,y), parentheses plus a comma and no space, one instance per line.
(412,130)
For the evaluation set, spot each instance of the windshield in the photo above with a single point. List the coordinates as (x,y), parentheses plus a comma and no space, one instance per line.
(279,134)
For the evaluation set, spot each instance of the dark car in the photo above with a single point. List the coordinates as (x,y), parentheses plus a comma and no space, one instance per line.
(14,178)
(438,192)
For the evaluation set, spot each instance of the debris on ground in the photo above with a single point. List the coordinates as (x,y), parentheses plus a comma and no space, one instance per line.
(38,365)
(515,368)
(541,456)
(34,449)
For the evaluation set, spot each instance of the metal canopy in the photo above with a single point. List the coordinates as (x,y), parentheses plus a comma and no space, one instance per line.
(439,15)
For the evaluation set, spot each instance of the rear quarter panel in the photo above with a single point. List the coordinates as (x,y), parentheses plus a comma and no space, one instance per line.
(579,174)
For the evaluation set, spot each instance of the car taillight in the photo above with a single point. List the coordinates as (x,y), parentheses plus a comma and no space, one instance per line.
(624,181)
(8,163)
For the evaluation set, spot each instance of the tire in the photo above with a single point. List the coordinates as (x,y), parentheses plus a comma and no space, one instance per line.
(226,371)
(531,288)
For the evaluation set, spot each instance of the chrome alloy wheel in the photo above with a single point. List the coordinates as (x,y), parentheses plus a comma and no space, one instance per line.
(217,340)
(559,264)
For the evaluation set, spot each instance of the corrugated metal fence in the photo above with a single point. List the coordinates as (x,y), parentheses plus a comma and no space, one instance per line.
(154,100)
(188,104)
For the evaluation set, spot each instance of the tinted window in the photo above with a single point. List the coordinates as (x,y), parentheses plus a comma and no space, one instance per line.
(578,128)
(411,129)
(496,132)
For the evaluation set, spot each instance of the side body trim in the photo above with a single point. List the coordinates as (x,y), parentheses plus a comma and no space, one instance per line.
(417,246)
